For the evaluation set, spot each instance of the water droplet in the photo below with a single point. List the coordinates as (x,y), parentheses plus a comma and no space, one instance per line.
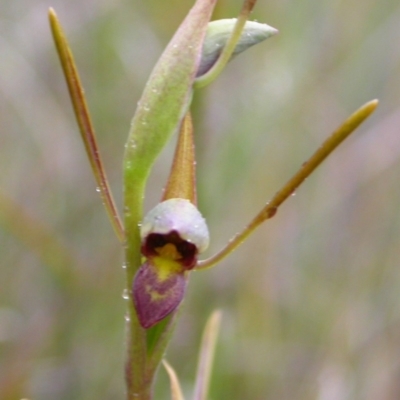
(293,194)
(125,294)
(175,46)
(98,190)
(127,317)
(123,266)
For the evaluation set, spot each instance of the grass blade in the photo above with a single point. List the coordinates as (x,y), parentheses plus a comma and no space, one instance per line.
(176,391)
(81,110)
(206,356)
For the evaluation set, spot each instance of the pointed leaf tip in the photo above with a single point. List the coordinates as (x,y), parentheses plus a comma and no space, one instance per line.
(182,178)
(218,34)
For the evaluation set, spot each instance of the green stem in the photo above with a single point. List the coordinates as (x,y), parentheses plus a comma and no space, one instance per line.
(139,388)
(84,121)
(229,48)
(291,186)
(163,104)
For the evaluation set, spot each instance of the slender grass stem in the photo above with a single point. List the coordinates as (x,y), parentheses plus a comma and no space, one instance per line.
(206,356)
(176,391)
(227,52)
(291,186)
(84,121)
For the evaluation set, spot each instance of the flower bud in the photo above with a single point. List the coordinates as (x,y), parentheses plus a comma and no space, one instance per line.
(175,221)
(218,33)
(173,234)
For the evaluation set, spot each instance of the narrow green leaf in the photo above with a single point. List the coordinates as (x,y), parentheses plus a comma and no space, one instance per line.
(206,356)
(82,114)
(167,94)
(176,391)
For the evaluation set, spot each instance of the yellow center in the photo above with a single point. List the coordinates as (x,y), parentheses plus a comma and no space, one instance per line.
(168,251)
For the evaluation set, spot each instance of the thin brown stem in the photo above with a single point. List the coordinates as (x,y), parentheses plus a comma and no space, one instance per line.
(291,186)
(85,124)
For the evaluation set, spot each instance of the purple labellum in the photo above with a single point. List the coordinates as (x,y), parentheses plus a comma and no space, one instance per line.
(156,294)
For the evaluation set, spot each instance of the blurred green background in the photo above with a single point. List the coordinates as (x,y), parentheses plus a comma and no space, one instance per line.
(311,303)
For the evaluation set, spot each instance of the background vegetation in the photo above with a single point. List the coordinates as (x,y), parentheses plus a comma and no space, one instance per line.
(311,303)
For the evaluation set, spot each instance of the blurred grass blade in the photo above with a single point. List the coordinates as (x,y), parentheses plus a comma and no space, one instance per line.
(206,356)
(291,186)
(84,121)
(176,392)
(41,241)
(229,48)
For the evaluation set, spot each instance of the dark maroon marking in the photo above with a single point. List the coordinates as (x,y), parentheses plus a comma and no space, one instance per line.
(187,250)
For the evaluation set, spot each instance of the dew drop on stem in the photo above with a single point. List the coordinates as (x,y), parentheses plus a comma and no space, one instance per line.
(125,294)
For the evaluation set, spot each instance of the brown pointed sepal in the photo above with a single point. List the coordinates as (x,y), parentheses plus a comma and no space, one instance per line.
(157,291)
